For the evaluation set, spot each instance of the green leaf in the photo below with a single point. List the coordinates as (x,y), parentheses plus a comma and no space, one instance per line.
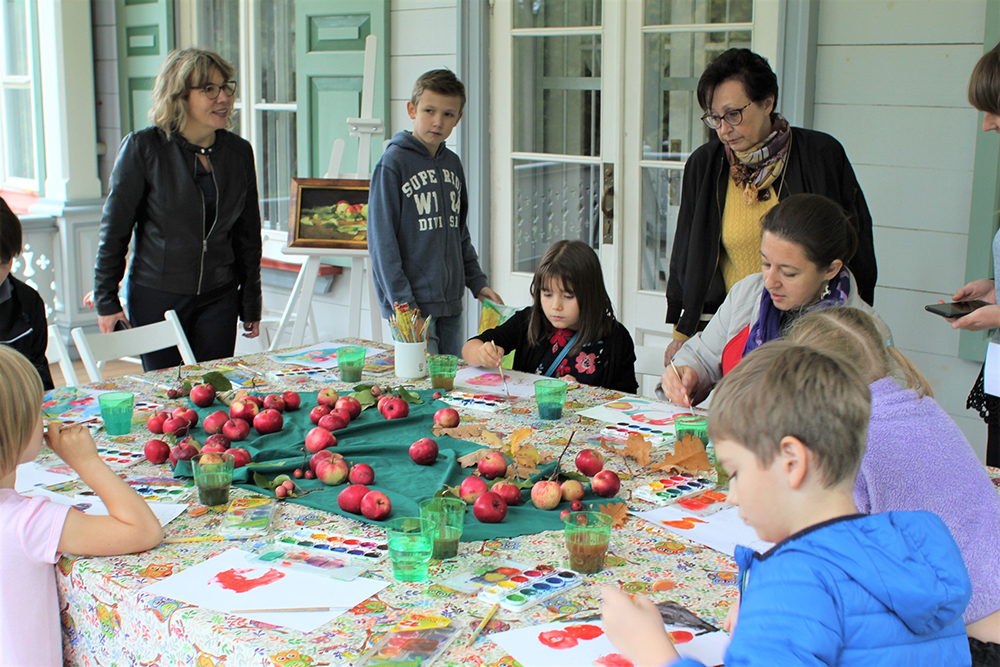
(408,396)
(186,386)
(363,387)
(280,479)
(574,475)
(217,380)
(263,482)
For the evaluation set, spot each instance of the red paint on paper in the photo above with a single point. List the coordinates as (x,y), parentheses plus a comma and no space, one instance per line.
(236,579)
(584,631)
(558,639)
(614,660)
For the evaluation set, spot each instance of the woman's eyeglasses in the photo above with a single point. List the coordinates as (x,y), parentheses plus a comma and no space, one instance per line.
(733,117)
(229,88)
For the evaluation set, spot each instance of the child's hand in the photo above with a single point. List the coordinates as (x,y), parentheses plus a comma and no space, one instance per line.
(636,629)
(488,293)
(489,355)
(732,617)
(73,444)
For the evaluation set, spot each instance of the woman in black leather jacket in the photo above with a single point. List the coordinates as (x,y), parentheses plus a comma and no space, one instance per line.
(187,188)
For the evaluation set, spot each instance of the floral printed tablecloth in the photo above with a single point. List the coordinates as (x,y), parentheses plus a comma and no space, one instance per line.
(108,620)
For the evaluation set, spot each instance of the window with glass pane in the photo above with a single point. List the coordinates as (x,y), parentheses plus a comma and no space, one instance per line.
(677,12)
(17,110)
(218,29)
(661,198)
(15,38)
(557,13)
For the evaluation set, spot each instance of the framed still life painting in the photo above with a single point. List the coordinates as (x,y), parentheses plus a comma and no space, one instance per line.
(328,213)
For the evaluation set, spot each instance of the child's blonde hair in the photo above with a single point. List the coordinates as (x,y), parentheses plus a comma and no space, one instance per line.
(20,406)
(852,334)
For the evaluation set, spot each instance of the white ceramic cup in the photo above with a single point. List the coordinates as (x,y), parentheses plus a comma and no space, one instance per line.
(411,360)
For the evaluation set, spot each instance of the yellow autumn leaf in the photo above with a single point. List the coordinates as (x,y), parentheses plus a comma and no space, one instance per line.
(492,439)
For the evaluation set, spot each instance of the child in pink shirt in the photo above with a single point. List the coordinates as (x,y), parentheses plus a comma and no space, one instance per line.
(34,532)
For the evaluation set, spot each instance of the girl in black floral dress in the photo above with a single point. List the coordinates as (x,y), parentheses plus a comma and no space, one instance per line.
(569,332)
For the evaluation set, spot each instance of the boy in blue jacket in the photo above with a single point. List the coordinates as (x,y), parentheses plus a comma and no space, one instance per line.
(838,588)
(421,252)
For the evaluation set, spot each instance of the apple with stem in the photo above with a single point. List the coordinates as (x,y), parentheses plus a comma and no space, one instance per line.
(214,422)
(492,465)
(292,400)
(350,405)
(447,418)
(202,395)
(471,488)
(489,508)
(546,494)
(510,492)
(268,421)
(395,408)
(327,396)
(606,484)
(362,473)
(274,402)
(589,462)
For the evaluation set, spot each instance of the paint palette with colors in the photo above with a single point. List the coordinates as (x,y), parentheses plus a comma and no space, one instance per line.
(357,549)
(248,517)
(307,561)
(668,490)
(622,430)
(415,641)
(530,587)
(484,402)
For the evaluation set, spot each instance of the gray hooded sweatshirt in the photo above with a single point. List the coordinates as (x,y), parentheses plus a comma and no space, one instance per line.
(421,253)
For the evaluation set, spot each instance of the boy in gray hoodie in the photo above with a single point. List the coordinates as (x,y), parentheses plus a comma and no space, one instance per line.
(421,252)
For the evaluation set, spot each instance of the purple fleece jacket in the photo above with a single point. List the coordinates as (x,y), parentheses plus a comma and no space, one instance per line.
(918,459)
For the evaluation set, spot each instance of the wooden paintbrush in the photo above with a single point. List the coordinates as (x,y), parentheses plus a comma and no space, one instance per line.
(500,368)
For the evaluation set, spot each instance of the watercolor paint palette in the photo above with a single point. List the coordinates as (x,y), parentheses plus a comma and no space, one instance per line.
(307,561)
(530,587)
(622,430)
(668,490)
(248,517)
(416,641)
(353,548)
(484,402)
(116,457)
(303,373)
(482,576)
(156,489)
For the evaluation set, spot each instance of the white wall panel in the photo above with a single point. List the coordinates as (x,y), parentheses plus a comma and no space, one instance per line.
(913,328)
(930,199)
(406,5)
(424,32)
(917,260)
(901,22)
(404,70)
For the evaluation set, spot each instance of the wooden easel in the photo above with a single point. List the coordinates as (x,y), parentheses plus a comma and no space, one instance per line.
(302,292)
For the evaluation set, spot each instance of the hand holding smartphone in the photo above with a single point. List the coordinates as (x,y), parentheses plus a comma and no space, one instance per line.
(955,309)
(121,325)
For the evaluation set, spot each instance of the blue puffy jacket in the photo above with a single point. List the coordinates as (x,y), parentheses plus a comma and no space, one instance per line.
(881,589)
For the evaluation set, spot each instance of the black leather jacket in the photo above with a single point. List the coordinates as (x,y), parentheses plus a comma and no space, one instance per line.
(154,192)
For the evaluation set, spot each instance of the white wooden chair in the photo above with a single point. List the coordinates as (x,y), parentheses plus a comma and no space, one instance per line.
(648,361)
(97,348)
(57,352)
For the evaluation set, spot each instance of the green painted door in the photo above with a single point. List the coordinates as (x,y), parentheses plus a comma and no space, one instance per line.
(330,59)
(145,36)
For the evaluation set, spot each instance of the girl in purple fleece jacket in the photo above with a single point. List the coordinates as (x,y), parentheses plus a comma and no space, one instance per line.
(918,459)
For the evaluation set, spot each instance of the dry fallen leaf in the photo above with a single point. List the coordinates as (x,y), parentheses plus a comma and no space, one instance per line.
(638,448)
(689,456)
(608,448)
(492,439)
(466,432)
(473,458)
(618,513)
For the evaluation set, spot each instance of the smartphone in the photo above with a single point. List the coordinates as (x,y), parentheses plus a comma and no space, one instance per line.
(120,325)
(955,309)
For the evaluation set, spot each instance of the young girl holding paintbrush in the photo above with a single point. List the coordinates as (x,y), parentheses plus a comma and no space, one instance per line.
(34,531)
(569,332)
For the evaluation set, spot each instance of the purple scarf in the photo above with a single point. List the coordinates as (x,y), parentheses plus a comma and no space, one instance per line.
(768,324)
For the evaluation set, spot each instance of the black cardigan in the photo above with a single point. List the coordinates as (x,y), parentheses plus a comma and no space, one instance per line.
(817,164)
(23,327)
(615,355)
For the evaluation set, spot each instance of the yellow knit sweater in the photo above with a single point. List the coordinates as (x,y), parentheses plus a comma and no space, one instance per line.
(740,253)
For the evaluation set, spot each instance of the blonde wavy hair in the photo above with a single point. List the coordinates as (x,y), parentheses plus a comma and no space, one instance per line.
(181,71)
(21,394)
(853,335)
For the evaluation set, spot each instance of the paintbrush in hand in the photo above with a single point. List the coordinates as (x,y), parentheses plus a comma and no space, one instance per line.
(500,368)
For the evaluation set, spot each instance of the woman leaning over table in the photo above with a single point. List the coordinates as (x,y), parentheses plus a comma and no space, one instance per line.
(753,160)
(187,187)
(984,95)
(803,251)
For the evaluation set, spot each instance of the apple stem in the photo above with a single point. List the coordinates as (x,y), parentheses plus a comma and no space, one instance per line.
(555,471)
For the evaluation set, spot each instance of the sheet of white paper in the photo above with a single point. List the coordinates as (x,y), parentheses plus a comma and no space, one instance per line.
(991,374)
(721,531)
(488,381)
(30,475)
(268,588)
(638,411)
(321,355)
(527,645)
(92,505)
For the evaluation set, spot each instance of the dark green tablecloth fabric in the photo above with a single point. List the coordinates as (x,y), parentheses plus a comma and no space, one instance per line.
(383,444)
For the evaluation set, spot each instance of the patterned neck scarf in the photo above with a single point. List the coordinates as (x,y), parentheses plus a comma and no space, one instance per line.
(768,325)
(756,169)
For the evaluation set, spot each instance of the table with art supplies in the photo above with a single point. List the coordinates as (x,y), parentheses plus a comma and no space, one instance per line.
(285,571)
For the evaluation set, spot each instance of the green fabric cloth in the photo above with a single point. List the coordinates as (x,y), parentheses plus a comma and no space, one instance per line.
(384,445)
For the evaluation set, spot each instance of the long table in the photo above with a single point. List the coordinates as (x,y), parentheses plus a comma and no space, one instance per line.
(108,619)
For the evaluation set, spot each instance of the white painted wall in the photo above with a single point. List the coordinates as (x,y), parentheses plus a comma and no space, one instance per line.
(890,85)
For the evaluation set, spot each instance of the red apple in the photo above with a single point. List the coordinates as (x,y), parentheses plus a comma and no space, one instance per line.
(292,400)
(241,457)
(191,441)
(274,402)
(327,396)
(236,429)
(489,508)
(210,458)
(395,408)
(424,451)
(243,409)
(493,465)
(511,493)
(332,472)
(214,422)
(186,413)
(546,495)
(334,421)
(318,413)
(576,505)
(606,484)
(571,490)
(218,440)
(589,462)
(155,421)
(471,488)
(362,473)
(321,455)
(297,473)
(375,505)
(185,452)
(202,395)
(173,457)
(256,400)
(268,421)
(383,399)
(318,439)
(309,474)
(349,404)
(447,417)
(156,451)
(176,426)
(349,499)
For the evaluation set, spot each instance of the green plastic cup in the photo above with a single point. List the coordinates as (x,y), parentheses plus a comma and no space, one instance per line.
(587,537)
(350,361)
(116,411)
(447,517)
(213,475)
(442,368)
(410,547)
(696,427)
(550,396)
